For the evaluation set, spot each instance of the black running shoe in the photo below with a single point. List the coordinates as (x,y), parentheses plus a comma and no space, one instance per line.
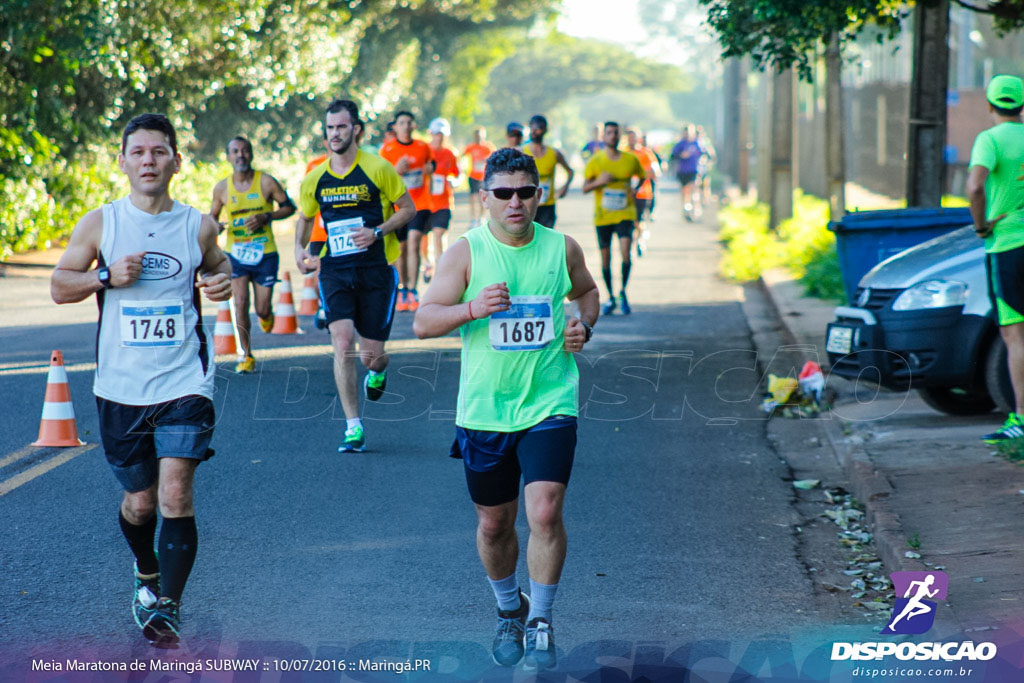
(164,625)
(507,648)
(145,596)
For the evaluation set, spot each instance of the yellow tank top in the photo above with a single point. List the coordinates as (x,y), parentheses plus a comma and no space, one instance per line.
(546,165)
(241,205)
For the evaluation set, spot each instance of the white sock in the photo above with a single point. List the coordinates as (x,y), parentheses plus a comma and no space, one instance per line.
(542,597)
(506,591)
(353,422)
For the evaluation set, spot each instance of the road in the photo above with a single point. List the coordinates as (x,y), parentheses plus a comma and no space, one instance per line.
(679,513)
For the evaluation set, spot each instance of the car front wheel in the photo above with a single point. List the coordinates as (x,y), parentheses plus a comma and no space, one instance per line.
(955,401)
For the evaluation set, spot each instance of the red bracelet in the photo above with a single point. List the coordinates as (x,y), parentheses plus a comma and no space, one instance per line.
(470,302)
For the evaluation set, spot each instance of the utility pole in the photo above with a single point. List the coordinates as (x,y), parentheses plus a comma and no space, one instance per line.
(835,149)
(927,134)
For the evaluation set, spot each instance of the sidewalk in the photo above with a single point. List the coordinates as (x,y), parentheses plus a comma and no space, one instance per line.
(922,475)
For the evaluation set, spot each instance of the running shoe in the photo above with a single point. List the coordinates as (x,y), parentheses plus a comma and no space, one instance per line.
(540,645)
(639,248)
(267,324)
(624,303)
(246,365)
(164,624)
(609,307)
(374,385)
(507,648)
(145,596)
(320,319)
(400,302)
(428,273)
(412,300)
(1011,430)
(355,441)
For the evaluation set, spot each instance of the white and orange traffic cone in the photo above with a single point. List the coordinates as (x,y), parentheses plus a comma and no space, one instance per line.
(57,428)
(309,299)
(285,321)
(224,331)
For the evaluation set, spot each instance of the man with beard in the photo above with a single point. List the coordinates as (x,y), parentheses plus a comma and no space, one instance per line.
(548,160)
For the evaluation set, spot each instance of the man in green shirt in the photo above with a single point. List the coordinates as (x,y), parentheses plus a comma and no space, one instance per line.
(996,191)
(503,286)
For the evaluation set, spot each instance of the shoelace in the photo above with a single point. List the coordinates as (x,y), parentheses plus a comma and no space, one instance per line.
(541,634)
(509,627)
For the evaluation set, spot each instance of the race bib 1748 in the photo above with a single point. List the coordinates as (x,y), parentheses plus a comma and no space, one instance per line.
(152,323)
(527,325)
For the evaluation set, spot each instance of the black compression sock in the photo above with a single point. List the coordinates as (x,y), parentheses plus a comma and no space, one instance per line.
(140,540)
(626,267)
(606,272)
(178,541)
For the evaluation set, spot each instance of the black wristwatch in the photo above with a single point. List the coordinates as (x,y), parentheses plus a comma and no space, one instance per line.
(378,234)
(104,276)
(589,331)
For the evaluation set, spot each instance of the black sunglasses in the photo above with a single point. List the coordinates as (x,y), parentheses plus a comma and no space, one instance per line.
(505,193)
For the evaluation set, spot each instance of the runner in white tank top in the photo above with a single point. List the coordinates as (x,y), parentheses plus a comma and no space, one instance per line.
(154,372)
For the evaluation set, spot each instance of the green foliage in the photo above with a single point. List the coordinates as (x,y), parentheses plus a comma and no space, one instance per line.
(803,245)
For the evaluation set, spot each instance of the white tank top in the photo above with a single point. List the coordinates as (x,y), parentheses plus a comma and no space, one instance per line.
(151,347)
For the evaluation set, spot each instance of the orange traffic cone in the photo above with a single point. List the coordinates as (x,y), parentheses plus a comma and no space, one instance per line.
(285,321)
(57,428)
(224,331)
(309,299)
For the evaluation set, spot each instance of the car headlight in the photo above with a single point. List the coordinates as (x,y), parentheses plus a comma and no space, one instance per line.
(931,294)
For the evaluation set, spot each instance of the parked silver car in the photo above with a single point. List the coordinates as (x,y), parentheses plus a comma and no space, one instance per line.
(923,319)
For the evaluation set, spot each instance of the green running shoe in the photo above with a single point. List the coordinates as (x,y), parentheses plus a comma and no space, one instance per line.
(374,385)
(354,441)
(164,625)
(1012,429)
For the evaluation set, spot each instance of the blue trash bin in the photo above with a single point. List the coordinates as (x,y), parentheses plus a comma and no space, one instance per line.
(866,238)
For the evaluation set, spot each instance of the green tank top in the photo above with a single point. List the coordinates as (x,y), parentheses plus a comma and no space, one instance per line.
(515,372)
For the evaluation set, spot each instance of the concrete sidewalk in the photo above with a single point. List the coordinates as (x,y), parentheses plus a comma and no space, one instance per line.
(924,477)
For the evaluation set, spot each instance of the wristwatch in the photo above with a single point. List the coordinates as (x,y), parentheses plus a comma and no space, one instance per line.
(104,276)
(589,331)
(378,234)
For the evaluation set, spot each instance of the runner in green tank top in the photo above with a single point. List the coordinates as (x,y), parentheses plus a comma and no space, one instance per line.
(503,285)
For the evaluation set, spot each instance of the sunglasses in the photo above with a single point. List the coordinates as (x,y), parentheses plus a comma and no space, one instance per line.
(505,193)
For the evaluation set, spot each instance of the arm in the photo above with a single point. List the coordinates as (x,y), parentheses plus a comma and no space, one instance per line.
(584,292)
(560,160)
(405,211)
(306,262)
(285,207)
(976,177)
(215,270)
(440,310)
(592,183)
(217,203)
(73,280)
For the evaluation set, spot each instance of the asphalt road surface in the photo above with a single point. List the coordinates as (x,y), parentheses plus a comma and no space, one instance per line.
(679,513)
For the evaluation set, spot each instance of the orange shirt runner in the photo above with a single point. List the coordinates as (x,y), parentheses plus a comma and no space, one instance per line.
(647,161)
(478,155)
(446,166)
(416,179)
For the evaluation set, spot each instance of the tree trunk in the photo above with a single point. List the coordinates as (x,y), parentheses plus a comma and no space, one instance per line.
(729,159)
(744,143)
(835,149)
(764,138)
(781,192)
(927,134)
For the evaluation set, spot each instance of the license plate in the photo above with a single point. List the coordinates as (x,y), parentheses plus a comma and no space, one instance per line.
(840,339)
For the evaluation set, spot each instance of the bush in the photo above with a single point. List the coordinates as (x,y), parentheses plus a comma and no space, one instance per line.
(802,244)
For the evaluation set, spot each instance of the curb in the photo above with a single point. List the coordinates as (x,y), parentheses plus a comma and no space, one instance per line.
(868,485)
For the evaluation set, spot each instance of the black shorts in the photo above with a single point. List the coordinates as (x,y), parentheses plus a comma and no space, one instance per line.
(495,461)
(263,273)
(366,296)
(134,437)
(641,207)
(1006,284)
(440,219)
(418,222)
(605,232)
(475,185)
(686,178)
(546,216)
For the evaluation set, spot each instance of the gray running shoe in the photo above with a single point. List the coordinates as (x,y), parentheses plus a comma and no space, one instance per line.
(145,595)
(507,648)
(540,645)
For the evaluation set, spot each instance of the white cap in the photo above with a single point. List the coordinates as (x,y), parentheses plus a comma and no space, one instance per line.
(440,125)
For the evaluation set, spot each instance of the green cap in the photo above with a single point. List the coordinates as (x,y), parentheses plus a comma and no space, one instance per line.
(1005,92)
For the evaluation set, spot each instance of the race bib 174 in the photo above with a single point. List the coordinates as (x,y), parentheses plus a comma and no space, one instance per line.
(340,234)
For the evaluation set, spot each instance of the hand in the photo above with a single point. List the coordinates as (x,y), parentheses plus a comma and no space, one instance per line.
(125,271)
(254,223)
(363,237)
(491,299)
(403,165)
(564,191)
(217,286)
(575,335)
(306,262)
(986,229)
(605,178)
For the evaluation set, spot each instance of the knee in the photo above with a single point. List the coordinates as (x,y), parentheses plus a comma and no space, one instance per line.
(343,340)
(175,499)
(545,516)
(494,528)
(137,508)
(373,361)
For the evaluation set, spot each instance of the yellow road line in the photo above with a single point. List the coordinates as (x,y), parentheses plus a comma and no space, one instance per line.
(18,455)
(42,468)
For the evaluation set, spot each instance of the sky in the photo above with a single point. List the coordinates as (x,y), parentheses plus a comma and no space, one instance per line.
(611,20)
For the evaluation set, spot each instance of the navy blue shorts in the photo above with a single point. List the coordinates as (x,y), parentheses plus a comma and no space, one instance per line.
(440,219)
(495,461)
(366,296)
(605,232)
(546,216)
(418,222)
(134,437)
(263,273)
(475,185)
